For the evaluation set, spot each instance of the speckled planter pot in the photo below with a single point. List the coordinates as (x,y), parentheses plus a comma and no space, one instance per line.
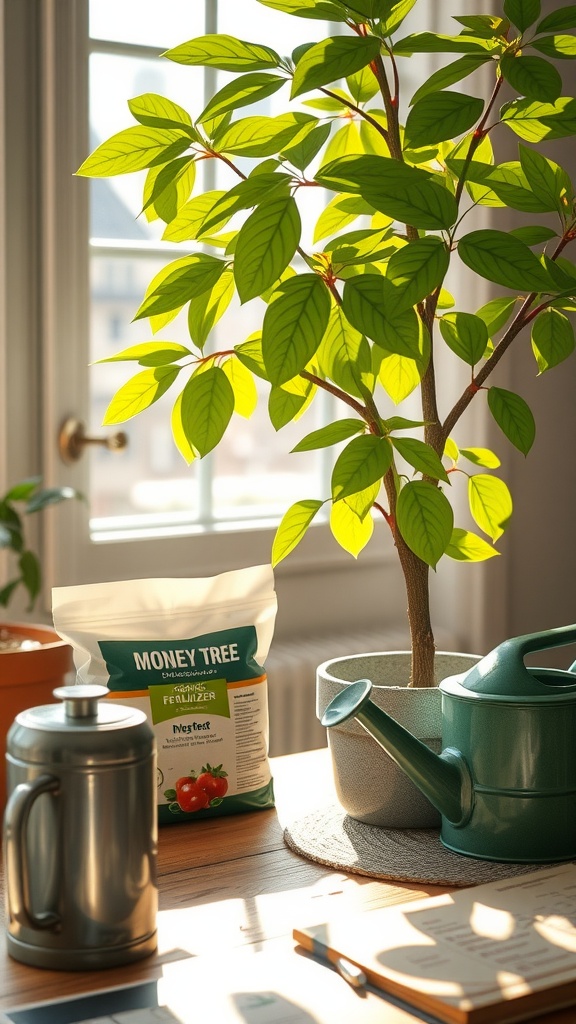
(369,784)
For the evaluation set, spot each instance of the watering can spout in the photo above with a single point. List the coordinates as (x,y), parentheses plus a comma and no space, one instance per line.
(443,778)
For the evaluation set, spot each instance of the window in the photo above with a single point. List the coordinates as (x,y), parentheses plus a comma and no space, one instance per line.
(251,476)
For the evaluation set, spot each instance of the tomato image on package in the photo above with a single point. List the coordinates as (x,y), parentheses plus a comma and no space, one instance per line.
(206,699)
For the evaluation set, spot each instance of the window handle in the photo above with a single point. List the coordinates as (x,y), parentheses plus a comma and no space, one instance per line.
(73,439)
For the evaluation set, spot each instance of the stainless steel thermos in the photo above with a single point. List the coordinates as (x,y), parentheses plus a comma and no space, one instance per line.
(80,833)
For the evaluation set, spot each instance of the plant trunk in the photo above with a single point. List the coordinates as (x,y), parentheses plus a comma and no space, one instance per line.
(416,573)
(416,580)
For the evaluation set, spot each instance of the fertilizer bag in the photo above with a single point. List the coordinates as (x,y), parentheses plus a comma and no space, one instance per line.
(190,653)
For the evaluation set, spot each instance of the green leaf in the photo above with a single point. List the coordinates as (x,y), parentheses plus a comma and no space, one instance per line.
(350,530)
(49,496)
(139,393)
(168,187)
(187,451)
(225,53)
(399,376)
(533,234)
(396,12)
(487,26)
(468,547)
(250,354)
(266,243)
(439,116)
(481,457)
(159,112)
(319,10)
(248,193)
(331,59)
(133,150)
(243,386)
(433,42)
(363,462)
(535,121)
(559,47)
(450,74)
(338,213)
(294,325)
(496,313)
(29,566)
(368,303)
(547,179)
(241,92)
(22,490)
(292,528)
(421,456)
(149,353)
(363,246)
(564,17)
(189,221)
(263,136)
(344,355)
(205,310)
(301,152)
(466,335)
(363,85)
(503,259)
(490,504)
(513,416)
(522,13)
(207,406)
(552,339)
(405,193)
(417,270)
(198,275)
(283,406)
(332,433)
(425,520)
(532,76)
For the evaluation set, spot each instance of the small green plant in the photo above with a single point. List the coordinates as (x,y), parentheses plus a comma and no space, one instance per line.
(362,312)
(23,499)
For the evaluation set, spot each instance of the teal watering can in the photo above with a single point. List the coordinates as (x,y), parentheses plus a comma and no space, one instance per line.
(505,782)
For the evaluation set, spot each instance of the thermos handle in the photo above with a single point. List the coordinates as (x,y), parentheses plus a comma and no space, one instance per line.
(17,869)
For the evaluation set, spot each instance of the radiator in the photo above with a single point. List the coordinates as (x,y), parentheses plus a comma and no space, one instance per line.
(291,669)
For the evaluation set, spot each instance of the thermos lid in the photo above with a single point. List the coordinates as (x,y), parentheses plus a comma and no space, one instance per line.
(82,730)
(503,675)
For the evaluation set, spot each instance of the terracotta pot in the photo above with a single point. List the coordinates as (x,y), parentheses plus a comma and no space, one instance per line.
(28,677)
(369,784)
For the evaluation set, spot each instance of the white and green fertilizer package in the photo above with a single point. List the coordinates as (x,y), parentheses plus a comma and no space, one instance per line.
(190,653)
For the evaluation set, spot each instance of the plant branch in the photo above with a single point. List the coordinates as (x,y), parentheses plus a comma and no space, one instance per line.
(338,393)
(523,317)
(477,138)
(358,110)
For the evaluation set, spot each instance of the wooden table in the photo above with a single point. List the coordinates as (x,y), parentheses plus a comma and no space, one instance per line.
(230,889)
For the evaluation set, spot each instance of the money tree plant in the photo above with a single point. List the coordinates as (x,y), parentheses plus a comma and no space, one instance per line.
(362,310)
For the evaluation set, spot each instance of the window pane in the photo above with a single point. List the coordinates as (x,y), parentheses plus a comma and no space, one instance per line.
(146,21)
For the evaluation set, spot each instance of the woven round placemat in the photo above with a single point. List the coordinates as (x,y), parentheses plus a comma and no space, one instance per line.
(329,836)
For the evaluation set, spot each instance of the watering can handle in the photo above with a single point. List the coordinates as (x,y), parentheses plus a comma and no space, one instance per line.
(523,645)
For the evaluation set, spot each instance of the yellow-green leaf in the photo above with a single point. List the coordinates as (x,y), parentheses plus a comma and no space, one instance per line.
(243,386)
(139,393)
(490,504)
(180,440)
(292,528)
(351,532)
(468,547)
(134,149)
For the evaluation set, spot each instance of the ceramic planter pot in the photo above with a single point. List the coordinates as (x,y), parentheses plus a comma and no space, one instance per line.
(369,785)
(28,677)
